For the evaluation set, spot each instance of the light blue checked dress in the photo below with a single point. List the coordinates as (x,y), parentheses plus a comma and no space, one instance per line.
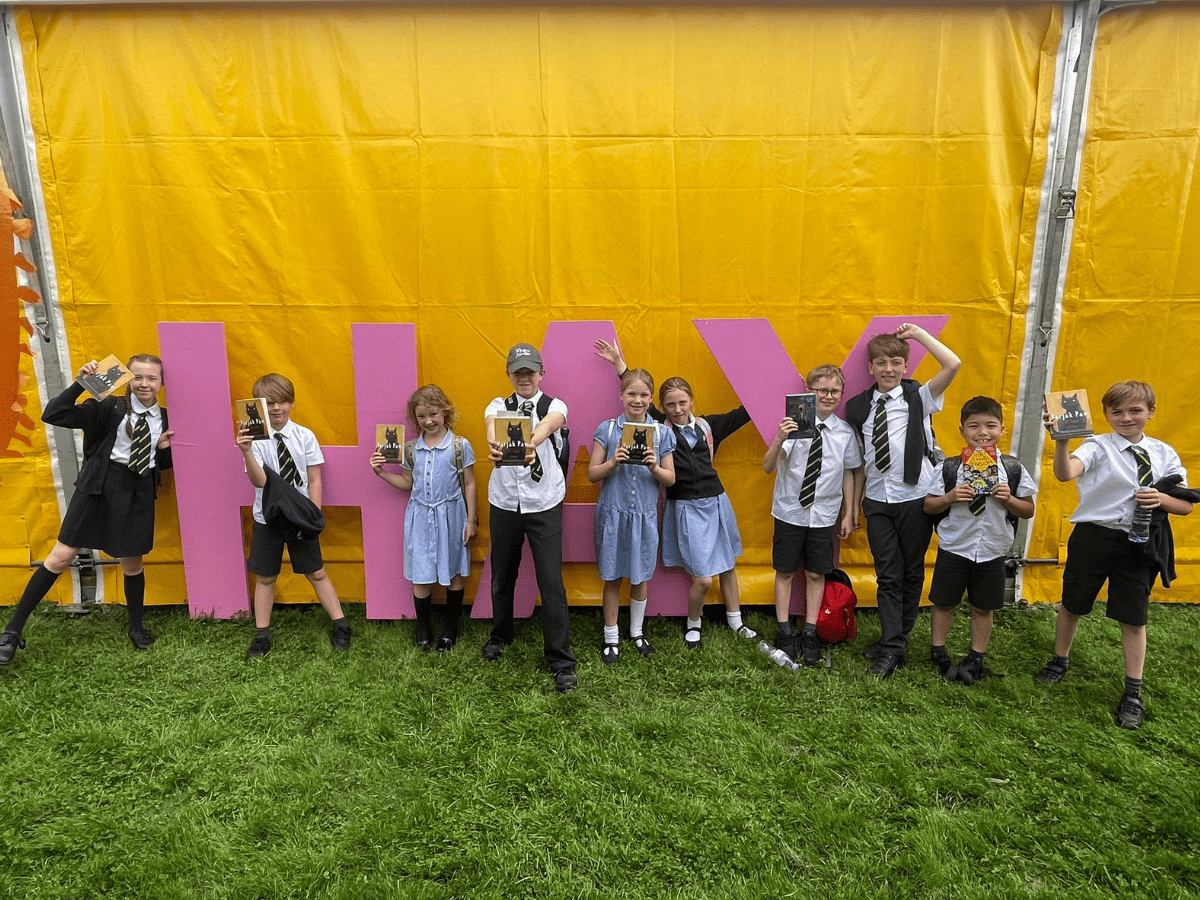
(434,551)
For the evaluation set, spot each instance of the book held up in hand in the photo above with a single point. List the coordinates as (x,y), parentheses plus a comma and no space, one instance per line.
(513,431)
(110,376)
(802,409)
(981,468)
(252,413)
(390,441)
(638,440)
(1072,417)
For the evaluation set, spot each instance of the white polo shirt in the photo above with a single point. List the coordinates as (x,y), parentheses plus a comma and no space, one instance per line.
(839,452)
(512,487)
(889,486)
(305,450)
(982,537)
(1109,477)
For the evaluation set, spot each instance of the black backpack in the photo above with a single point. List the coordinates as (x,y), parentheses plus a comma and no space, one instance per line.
(561,438)
(950,467)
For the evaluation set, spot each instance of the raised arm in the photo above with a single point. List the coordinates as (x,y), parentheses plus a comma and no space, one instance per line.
(946,358)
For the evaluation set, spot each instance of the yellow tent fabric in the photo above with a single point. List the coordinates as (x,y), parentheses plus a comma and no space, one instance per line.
(1130,301)
(483,171)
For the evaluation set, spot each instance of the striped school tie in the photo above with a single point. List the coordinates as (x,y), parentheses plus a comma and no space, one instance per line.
(879,437)
(287,465)
(977,504)
(812,470)
(1145,477)
(535,471)
(139,448)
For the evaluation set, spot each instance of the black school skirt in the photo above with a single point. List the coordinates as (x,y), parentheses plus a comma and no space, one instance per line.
(119,520)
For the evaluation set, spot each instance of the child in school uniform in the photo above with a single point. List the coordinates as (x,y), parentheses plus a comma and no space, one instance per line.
(1114,473)
(626,520)
(440,521)
(892,421)
(973,539)
(526,503)
(126,445)
(293,452)
(813,500)
(700,531)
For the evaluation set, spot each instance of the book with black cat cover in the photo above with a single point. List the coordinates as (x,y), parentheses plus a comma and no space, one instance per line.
(981,468)
(1072,417)
(111,376)
(638,439)
(252,413)
(802,409)
(390,441)
(513,431)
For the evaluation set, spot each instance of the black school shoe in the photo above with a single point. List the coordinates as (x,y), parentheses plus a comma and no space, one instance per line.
(786,643)
(873,653)
(565,680)
(140,638)
(1052,672)
(10,643)
(885,665)
(941,662)
(1130,712)
(493,649)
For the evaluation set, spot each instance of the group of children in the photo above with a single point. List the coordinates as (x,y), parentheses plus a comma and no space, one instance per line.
(881,460)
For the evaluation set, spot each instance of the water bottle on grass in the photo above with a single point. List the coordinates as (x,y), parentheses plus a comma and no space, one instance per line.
(777,656)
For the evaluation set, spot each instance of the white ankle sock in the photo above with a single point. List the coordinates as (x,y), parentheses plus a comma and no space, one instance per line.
(611,635)
(694,623)
(734,619)
(637,617)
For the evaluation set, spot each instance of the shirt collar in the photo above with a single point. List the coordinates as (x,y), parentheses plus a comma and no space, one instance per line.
(891,395)
(136,406)
(534,399)
(441,445)
(286,430)
(1123,443)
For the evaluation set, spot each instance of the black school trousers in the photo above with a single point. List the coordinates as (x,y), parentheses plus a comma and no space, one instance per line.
(899,535)
(544,532)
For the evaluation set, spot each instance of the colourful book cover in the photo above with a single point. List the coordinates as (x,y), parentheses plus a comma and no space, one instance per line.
(638,439)
(1071,416)
(390,441)
(513,431)
(252,413)
(111,376)
(981,468)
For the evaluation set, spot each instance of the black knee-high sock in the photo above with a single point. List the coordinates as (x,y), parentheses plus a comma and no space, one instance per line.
(424,610)
(135,596)
(38,587)
(454,605)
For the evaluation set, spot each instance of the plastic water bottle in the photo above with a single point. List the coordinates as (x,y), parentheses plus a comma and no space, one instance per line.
(1139,527)
(777,656)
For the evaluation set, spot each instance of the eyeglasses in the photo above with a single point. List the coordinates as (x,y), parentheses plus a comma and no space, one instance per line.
(829,392)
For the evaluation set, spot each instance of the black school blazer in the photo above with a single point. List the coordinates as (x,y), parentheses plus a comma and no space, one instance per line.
(99,421)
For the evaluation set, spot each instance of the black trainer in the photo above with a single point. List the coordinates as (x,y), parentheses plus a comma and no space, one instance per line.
(565,680)
(810,648)
(1052,672)
(787,643)
(260,646)
(493,649)
(1130,712)
(339,637)
(10,643)
(971,670)
(941,661)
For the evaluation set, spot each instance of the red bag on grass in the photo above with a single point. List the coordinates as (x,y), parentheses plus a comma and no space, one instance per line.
(836,622)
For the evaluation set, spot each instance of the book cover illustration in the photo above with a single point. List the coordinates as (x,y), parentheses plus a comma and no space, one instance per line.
(802,409)
(638,440)
(252,413)
(513,431)
(111,376)
(981,468)
(1072,417)
(390,441)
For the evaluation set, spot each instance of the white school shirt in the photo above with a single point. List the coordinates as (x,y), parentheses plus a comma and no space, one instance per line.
(305,450)
(1110,477)
(123,443)
(980,538)
(512,487)
(889,486)
(839,452)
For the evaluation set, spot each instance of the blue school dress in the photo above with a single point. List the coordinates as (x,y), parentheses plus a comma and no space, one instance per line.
(626,521)
(434,551)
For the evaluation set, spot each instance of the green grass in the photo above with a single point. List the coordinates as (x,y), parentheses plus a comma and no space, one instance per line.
(185,772)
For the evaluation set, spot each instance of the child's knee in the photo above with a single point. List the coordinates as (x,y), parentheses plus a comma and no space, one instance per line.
(130,565)
(703,581)
(813,578)
(317,577)
(266,581)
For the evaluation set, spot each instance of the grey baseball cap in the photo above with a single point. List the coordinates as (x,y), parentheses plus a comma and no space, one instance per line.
(524,356)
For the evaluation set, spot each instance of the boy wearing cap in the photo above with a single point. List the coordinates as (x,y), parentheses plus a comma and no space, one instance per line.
(526,503)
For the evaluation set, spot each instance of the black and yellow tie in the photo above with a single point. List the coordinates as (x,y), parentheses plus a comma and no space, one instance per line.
(1145,477)
(139,448)
(879,437)
(535,471)
(287,465)
(977,504)
(812,470)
